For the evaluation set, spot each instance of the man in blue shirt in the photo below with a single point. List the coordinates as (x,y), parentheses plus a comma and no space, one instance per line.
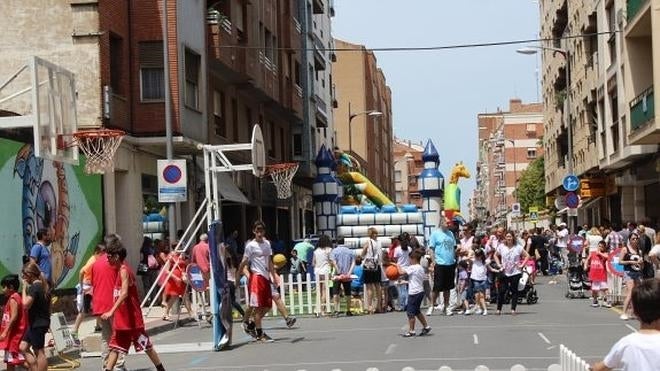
(343,259)
(41,255)
(443,244)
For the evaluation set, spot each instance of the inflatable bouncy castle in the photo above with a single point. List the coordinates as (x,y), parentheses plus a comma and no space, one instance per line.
(347,203)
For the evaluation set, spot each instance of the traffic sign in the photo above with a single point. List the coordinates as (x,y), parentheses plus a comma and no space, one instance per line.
(533,215)
(560,202)
(172,181)
(572,200)
(571,183)
(515,209)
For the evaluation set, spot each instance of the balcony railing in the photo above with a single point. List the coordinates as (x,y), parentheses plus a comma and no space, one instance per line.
(642,109)
(633,7)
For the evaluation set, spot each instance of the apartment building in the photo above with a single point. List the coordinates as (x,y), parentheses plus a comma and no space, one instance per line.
(361,87)
(408,165)
(608,151)
(508,142)
(232,64)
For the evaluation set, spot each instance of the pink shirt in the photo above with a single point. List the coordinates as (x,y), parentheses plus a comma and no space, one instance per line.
(200,256)
(104,276)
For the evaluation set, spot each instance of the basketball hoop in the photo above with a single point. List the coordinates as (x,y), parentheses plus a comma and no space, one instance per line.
(99,147)
(282,175)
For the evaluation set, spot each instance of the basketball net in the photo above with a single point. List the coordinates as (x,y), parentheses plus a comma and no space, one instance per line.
(99,147)
(282,176)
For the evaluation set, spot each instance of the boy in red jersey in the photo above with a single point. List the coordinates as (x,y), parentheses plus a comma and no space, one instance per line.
(14,322)
(128,325)
(596,264)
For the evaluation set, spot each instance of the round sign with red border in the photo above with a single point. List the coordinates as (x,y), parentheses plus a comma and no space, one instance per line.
(613,262)
(576,243)
(172,174)
(196,278)
(572,200)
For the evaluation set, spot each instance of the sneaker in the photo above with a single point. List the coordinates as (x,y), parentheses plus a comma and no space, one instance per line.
(624,317)
(449,312)
(607,305)
(478,311)
(409,334)
(425,331)
(250,328)
(485,312)
(439,307)
(265,338)
(595,304)
(429,311)
(468,312)
(290,321)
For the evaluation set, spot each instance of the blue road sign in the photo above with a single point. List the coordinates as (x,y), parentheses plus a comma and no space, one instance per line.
(572,200)
(571,183)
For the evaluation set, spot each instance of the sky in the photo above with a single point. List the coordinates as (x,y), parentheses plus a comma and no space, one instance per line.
(437,95)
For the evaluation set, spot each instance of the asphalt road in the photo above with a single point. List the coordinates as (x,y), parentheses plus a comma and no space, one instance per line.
(531,338)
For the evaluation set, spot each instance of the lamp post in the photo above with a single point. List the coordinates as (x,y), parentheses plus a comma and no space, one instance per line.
(530,50)
(515,173)
(351,116)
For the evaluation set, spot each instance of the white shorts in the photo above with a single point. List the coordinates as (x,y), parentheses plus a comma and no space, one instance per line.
(598,285)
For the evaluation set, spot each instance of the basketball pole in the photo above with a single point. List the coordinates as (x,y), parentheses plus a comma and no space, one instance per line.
(171,221)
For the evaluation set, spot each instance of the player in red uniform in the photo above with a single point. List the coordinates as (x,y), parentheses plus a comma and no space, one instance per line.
(128,325)
(14,322)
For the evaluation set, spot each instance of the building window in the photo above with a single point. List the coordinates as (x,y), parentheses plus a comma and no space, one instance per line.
(234,119)
(192,65)
(219,114)
(531,153)
(297,73)
(297,145)
(271,139)
(398,196)
(397,176)
(116,64)
(152,75)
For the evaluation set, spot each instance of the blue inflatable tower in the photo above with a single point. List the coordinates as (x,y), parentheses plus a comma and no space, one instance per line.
(431,187)
(324,192)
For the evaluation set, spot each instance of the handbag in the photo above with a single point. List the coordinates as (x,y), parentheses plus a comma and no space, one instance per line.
(369,263)
(142,269)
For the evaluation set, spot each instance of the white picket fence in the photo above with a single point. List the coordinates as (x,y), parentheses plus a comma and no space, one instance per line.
(569,361)
(616,290)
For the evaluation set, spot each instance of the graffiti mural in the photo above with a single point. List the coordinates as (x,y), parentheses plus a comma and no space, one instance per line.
(42,194)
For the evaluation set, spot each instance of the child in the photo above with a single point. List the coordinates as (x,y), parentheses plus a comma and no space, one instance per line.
(596,264)
(462,286)
(357,287)
(296,265)
(128,325)
(416,275)
(36,302)
(479,279)
(85,292)
(14,322)
(277,298)
(639,350)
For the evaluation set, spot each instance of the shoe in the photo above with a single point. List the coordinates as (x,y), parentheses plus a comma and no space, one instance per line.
(513,312)
(335,314)
(250,328)
(624,317)
(290,321)
(409,334)
(606,305)
(425,331)
(439,307)
(468,312)
(265,338)
(478,311)
(595,304)
(349,314)
(449,312)
(224,341)
(166,318)
(485,312)
(429,311)
(97,328)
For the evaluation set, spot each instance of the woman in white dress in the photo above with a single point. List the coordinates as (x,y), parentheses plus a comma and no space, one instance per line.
(321,263)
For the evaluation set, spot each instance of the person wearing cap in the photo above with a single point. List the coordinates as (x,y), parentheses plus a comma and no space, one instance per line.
(562,239)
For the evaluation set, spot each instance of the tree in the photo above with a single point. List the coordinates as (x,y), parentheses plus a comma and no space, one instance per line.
(531,187)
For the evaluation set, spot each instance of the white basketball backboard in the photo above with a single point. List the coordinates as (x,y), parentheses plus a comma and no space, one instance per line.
(50,109)
(258,152)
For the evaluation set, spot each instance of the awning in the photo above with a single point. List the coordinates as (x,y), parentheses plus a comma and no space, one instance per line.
(229,191)
(588,203)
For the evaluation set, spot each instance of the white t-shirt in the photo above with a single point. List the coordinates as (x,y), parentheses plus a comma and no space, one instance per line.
(637,351)
(415,278)
(593,242)
(402,256)
(510,259)
(322,260)
(655,251)
(479,271)
(258,254)
(562,238)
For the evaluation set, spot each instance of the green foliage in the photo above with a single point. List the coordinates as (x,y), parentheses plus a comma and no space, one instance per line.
(531,187)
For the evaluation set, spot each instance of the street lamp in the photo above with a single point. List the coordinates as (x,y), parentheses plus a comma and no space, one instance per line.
(515,171)
(529,50)
(351,116)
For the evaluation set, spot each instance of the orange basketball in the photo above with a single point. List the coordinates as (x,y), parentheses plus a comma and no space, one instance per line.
(392,272)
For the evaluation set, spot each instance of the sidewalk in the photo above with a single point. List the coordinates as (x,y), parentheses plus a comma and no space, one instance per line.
(153,322)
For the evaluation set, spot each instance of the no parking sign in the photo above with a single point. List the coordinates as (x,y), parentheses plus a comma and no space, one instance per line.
(613,262)
(172,181)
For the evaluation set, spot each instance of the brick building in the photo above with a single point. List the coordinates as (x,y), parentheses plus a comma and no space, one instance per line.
(408,165)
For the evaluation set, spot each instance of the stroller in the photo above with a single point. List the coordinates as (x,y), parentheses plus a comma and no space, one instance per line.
(526,288)
(578,284)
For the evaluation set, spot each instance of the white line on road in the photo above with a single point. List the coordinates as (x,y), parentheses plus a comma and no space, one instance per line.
(390,349)
(631,328)
(544,338)
(476,339)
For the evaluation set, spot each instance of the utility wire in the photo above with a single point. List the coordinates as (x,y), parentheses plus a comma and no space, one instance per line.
(427,48)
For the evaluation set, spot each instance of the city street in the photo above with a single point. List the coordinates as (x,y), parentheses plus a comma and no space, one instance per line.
(531,338)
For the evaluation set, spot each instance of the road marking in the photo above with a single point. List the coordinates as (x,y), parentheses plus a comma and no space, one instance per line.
(551,347)
(198,360)
(544,338)
(631,328)
(390,349)
(476,339)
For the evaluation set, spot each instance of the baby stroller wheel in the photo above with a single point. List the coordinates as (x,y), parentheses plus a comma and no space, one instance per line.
(532,297)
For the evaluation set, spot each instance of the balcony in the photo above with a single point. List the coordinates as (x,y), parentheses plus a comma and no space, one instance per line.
(319,56)
(317,6)
(633,7)
(321,113)
(644,128)
(642,109)
(331,7)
